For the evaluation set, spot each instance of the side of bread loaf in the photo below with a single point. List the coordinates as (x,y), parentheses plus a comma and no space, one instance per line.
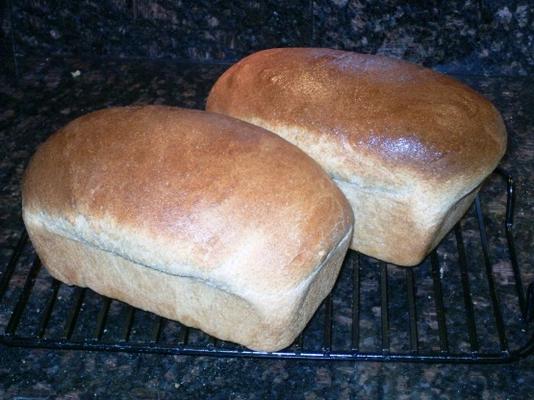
(194,216)
(409,147)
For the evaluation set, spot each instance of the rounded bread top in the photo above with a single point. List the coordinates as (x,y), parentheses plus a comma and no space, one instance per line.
(399,115)
(190,193)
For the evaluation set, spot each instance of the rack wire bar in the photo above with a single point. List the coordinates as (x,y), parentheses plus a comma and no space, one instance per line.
(300,341)
(327,334)
(20,306)
(74,312)
(156,331)
(134,347)
(128,322)
(183,336)
(412,313)
(510,201)
(101,318)
(23,299)
(438,300)
(298,344)
(468,301)
(6,276)
(491,281)
(355,339)
(47,311)
(384,312)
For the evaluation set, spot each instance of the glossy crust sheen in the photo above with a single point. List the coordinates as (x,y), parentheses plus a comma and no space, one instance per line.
(170,193)
(414,143)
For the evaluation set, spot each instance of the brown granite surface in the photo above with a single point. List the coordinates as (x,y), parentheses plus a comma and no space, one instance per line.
(487,37)
(52,93)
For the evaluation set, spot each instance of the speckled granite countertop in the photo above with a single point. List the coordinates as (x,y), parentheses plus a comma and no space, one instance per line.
(48,95)
(488,37)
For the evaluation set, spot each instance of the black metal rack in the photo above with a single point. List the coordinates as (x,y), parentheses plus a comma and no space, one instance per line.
(449,309)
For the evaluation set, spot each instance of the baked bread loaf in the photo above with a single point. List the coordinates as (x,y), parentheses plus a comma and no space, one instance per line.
(194,216)
(409,147)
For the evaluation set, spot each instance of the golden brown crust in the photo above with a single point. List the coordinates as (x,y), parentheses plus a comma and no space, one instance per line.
(403,115)
(190,193)
(407,146)
(269,326)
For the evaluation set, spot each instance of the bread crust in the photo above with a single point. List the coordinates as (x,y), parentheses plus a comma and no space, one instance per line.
(407,135)
(190,194)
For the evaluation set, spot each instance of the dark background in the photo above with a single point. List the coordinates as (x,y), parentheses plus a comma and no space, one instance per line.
(171,52)
(490,37)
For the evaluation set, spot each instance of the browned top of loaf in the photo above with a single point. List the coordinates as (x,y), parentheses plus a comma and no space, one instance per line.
(399,113)
(190,193)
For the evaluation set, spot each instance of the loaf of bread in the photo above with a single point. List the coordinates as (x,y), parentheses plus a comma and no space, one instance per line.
(194,216)
(409,147)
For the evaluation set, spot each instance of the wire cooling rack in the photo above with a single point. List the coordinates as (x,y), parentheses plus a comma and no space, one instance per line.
(465,303)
